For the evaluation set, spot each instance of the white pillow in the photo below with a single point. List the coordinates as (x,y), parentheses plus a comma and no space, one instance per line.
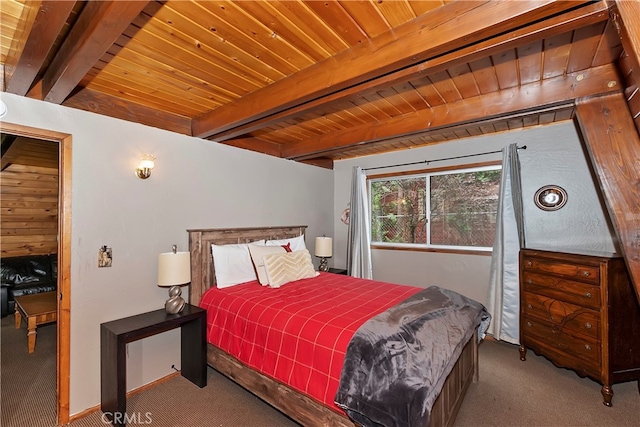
(233,264)
(297,243)
(289,266)
(257,255)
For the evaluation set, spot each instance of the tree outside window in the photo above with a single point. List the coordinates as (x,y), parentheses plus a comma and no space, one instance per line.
(459,211)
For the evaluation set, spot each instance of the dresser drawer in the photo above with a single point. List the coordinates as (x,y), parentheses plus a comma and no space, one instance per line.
(562,358)
(566,290)
(562,314)
(585,273)
(562,339)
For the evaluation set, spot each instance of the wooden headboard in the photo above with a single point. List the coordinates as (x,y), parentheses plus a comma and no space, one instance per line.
(200,241)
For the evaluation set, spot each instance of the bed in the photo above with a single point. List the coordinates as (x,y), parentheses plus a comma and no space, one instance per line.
(301,407)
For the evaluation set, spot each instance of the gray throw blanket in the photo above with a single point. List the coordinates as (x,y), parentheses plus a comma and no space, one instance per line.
(397,362)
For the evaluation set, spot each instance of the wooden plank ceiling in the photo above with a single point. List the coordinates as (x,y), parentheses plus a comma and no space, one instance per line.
(314,81)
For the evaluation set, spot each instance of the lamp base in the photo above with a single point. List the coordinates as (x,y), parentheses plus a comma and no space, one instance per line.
(175,303)
(324,266)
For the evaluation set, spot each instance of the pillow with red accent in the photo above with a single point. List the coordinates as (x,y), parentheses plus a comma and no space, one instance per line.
(297,243)
(258,253)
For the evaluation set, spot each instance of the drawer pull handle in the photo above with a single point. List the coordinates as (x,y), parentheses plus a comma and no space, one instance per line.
(586,273)
(529,281)
(587,325)
(587,346)
(529,263)
(588,295)
(529,306)
(529,324)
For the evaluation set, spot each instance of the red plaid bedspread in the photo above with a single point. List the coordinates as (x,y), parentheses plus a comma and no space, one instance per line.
(297,334)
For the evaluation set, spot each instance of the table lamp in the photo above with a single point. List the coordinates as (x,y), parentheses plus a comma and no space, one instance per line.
(324,247)
(174,270)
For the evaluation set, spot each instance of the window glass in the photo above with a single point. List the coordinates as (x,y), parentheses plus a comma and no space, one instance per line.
(398,210)
(454,209)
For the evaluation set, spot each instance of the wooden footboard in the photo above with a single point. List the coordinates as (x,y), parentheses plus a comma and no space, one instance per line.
(465,371)
(308,412)
(296,405)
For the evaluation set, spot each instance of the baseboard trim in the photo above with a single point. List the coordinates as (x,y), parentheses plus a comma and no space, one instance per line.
(147,386)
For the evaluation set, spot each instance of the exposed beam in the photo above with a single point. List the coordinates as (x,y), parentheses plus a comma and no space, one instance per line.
(323,162)
(99,103)
(27,20)
(255,144)
(436,136)
(556,90)
(435,33)
(6,140)
(572,20)
(614,147)
(626,16)
(100,23)
(22,68)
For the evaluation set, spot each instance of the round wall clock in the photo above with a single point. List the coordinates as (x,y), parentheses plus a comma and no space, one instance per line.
(550,198)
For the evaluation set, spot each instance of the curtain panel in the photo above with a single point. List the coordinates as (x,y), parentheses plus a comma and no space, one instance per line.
(504,286)
(359,234)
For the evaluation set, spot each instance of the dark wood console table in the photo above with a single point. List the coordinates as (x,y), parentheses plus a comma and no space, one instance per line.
(115,335)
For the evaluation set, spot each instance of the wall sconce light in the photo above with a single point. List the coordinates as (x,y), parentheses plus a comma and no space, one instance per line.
(143,171)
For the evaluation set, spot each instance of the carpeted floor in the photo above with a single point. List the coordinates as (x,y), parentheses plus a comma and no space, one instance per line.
(510,393)
(27,381)
(537,393)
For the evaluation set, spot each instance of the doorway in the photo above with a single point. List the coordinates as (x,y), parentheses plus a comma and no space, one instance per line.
(64,259)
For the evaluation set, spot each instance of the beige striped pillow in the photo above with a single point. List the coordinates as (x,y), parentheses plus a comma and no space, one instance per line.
(289,266)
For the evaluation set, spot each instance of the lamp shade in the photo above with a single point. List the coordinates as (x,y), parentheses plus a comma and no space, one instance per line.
(324,246)
(174,268)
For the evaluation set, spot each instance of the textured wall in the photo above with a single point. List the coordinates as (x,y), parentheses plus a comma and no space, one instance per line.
(195,184)
(554,155)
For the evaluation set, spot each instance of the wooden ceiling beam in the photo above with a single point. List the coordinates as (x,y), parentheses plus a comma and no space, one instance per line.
(462,128)
(100,23)
(564,23)
(626,16)
(23,30)
(21,69)
(615,155)
(107,105)
(323,162)
(435,33)
(255,144)
(557,90)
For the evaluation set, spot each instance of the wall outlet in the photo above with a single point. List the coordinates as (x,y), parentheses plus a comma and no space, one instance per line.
(104,257)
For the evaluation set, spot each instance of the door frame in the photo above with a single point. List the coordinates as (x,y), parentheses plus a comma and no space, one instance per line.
(63,340)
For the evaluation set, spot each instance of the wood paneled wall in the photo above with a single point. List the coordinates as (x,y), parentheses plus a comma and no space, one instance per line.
(29,199)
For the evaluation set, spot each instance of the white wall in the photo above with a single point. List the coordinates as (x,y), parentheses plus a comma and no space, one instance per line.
(554,155)
(195,184)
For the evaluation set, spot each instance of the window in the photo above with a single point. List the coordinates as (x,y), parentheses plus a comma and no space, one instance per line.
(453,209)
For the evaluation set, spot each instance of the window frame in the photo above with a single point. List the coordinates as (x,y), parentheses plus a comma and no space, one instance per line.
(428,247)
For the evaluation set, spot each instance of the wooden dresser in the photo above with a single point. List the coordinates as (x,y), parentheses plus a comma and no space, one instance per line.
(581,312)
